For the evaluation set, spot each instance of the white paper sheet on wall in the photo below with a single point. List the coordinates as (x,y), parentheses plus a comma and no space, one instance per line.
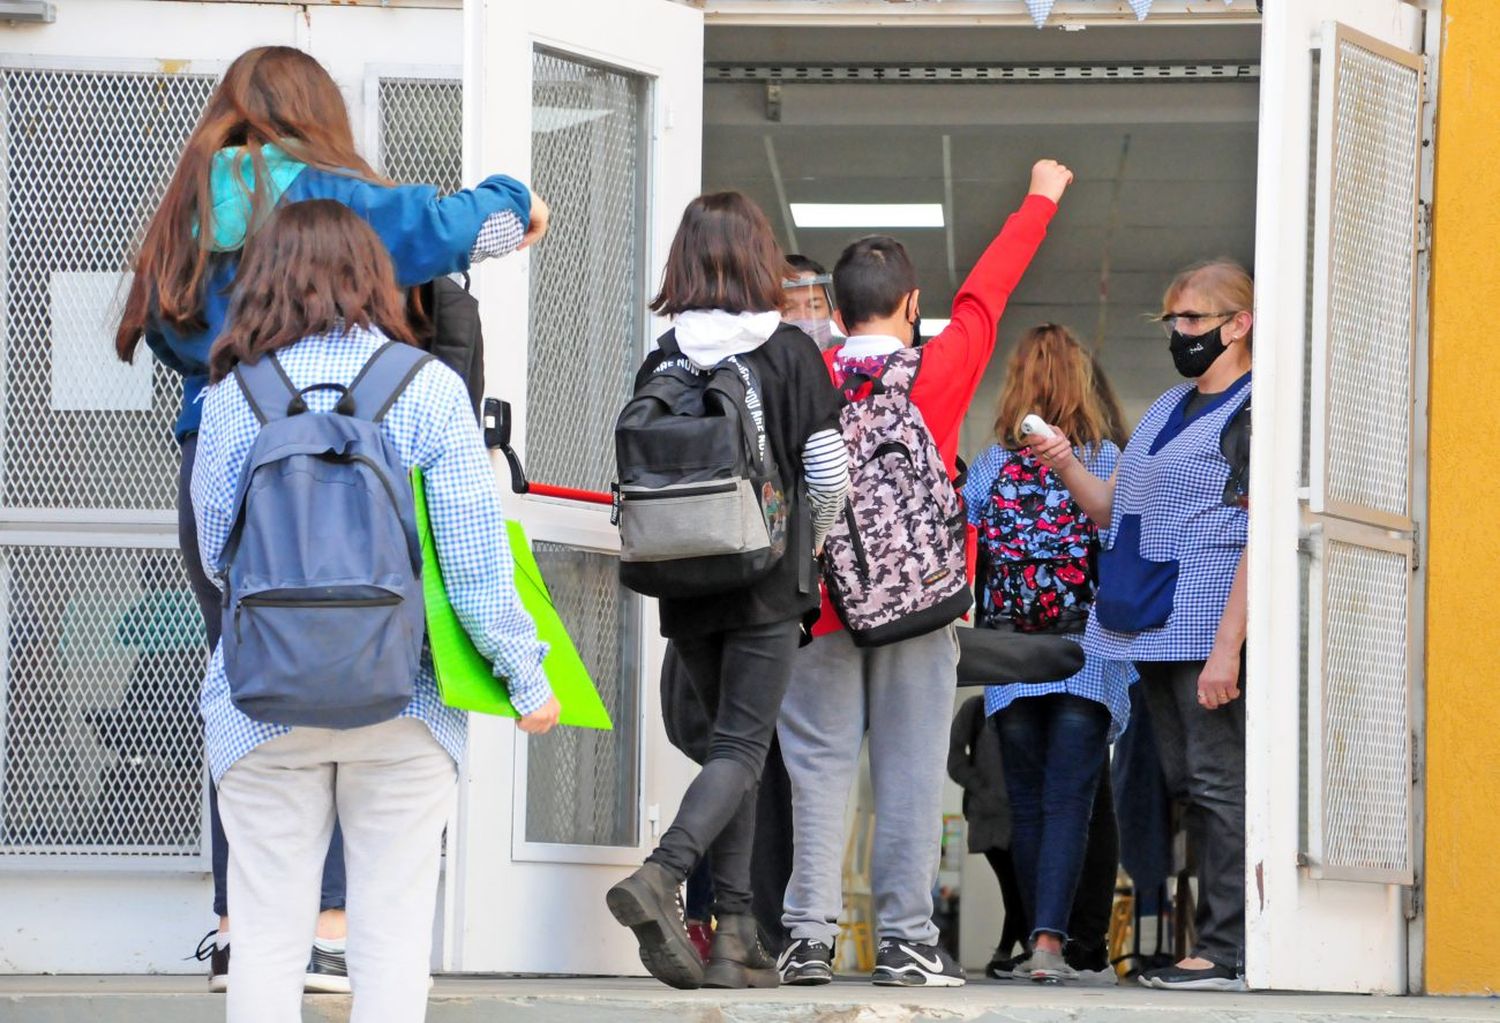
(86,375)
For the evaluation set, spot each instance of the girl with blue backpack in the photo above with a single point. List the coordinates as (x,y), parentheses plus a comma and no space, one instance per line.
(321,691)
(275,131)
(1040,552)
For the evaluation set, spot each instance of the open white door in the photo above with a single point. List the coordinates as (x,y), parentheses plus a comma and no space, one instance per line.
(1336,485)
(598,104)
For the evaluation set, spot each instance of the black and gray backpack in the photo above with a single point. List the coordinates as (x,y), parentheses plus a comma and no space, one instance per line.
(700,501)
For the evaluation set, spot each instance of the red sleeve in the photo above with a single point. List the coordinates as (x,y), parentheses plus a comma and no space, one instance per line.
(953,363)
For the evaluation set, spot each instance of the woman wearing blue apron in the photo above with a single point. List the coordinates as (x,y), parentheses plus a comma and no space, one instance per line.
(1172,591)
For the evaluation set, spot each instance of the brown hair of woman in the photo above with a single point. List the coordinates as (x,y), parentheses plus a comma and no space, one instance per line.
(724,256)
(315,266)
(270,95)
(1053,375)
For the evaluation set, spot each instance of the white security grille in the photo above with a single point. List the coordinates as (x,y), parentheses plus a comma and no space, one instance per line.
(84,158)
(102,650)
(583,785)
(587,293)
(1371,282)
(421,131)
(1366,729)
(102,749)
(1363,329)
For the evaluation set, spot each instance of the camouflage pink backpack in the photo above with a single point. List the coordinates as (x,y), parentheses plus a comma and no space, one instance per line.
(894,564)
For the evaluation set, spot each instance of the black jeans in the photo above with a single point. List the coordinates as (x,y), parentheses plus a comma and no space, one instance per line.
(207,595)
(1055,748)
(1203,756)
(740,676)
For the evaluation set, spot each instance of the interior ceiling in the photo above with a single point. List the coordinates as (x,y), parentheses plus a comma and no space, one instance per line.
(1165,171)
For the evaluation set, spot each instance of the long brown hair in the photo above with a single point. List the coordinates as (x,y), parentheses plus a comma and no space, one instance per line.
(1051,374)
(270,95)
(314,266)
(724,256)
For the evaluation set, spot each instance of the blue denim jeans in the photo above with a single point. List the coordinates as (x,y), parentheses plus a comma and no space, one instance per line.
(1054,748)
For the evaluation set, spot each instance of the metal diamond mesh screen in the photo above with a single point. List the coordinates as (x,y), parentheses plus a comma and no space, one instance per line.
(421,131)
(1366,730)
(101,749)
(83,159)
(587,294)
(583,785)
(1371,281)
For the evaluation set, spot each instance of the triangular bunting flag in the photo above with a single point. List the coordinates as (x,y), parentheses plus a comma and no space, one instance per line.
(1039,10)
(1141,8)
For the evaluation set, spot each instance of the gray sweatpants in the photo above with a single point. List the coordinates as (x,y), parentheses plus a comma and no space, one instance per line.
(903,695)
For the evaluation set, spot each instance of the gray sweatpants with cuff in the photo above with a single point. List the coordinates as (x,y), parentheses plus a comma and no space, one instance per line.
(902,694)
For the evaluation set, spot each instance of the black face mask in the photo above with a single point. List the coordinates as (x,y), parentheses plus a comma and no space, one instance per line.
(1194,355)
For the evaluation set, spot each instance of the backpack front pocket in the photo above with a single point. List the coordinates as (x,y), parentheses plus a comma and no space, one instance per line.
(329,657)
(691,520)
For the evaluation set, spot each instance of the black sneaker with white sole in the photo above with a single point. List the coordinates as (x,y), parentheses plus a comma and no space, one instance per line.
(1180,978)
(218,961)
(806,961)
(909,964)
(327,972)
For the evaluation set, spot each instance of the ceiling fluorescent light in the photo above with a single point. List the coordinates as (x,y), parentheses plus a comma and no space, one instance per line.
(867,214)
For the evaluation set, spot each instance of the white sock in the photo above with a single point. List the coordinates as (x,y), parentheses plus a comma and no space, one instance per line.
(333,945)
(222,940)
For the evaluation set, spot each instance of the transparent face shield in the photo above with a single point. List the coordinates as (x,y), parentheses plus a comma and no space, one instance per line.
(809,306)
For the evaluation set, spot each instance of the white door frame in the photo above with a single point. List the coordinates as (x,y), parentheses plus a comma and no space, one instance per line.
(495,874)
(1301,933)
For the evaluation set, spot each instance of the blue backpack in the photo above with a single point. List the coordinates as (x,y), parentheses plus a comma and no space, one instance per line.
(323,618)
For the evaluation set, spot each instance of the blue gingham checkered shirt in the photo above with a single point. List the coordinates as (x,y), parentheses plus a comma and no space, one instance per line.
(431,425)
(1101,680)
(1178,492)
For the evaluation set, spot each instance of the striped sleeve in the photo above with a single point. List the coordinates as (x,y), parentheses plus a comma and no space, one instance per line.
(825,466)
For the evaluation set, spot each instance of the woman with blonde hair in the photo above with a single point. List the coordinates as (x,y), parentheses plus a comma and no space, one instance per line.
(1172,589)
(1040,548)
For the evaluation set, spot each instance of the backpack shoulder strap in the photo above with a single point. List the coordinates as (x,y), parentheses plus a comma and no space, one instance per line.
(267,388)
(381,381)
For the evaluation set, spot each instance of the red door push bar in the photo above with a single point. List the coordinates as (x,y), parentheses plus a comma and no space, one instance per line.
(497,423)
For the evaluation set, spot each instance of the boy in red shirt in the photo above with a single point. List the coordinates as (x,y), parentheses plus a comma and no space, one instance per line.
(901,692)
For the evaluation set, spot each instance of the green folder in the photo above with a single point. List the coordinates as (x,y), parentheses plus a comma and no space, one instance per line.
(466,680)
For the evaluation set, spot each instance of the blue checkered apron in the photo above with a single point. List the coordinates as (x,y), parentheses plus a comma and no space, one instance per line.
(1173,544)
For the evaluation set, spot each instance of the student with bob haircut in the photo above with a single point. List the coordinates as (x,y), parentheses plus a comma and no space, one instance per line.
(317,294)
(723,291)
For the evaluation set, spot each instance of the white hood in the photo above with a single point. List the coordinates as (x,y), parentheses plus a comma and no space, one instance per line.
(707,336)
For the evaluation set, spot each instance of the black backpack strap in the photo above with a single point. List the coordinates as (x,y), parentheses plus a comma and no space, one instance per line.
(382,380)
(269,391)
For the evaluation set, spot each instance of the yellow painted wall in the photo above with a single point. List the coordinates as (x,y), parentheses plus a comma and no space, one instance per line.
(1463,586)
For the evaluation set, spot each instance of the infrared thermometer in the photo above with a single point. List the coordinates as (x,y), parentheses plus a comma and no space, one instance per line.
(1035,426)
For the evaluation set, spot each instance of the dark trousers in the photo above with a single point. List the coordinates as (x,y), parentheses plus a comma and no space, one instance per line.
(208,603)
(740,676)
(1014,931)
(1055,749)
(1203,756)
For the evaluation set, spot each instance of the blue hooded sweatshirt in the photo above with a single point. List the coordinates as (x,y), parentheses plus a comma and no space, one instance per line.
(427,236)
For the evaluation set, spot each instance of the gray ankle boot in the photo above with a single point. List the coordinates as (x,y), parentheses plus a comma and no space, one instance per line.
(649,902)
(738,959)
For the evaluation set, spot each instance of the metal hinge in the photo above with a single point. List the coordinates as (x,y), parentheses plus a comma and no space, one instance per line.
(1424,226)
(1411,901)
(1416,758)
(1416,546)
